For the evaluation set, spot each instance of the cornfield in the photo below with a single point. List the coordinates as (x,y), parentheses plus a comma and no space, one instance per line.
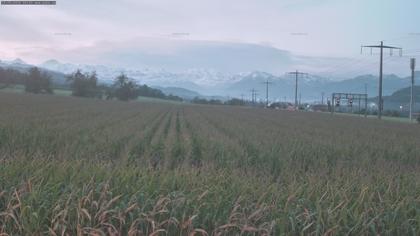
(71,166)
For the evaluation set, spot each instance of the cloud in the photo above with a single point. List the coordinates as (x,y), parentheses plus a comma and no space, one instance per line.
(173,55)
(307,27)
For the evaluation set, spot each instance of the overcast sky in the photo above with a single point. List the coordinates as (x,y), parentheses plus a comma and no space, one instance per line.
(305,27)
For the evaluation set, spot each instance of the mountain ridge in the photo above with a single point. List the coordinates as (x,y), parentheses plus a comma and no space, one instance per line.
(214,83)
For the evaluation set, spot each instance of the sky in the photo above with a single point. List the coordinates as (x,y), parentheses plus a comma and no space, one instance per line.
(80,30)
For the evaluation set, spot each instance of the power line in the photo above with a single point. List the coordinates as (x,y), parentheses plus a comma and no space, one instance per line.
(352,65)
(266,91)
(343,68)
(360,69)
(296,74)
(253,95)
(381,47)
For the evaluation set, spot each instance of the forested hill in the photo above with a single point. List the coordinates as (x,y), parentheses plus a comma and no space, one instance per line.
(403,95)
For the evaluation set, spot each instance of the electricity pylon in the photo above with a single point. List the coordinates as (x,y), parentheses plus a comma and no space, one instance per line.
(253,95)
(296,73)
(381,47)
(266,91)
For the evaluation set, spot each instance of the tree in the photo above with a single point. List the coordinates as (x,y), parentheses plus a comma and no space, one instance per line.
(124,89)
(84,85)
(10,77)
(174,98)
(37,82)
(205,101)
(146,91)
(235,102)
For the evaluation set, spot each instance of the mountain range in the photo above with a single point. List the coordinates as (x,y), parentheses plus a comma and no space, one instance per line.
(59,78)
(200,82)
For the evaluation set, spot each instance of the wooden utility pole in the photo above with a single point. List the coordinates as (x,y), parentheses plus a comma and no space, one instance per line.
(381,47)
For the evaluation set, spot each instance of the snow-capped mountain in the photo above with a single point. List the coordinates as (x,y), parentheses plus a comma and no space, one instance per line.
(16,63)
(22,66)
(105,73)
(193,79)
(211,82)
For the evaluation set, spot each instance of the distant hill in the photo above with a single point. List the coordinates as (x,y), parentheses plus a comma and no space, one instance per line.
(15,71)
(311,87)
(180,92)
(206,83)
(403,95)
(58,78)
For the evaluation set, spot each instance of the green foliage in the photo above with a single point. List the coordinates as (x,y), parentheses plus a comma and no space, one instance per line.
(11,77)
(235,102)
(37,82)
(84,85)
(392,113)
(198,100)
(124,89)
(173,98)
(146,91)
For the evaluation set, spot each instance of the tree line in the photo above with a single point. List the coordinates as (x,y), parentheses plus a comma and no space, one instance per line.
(231,102)
(34,80)
(123,88)
(81,85)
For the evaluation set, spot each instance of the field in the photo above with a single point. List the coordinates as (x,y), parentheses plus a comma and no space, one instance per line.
(72,166)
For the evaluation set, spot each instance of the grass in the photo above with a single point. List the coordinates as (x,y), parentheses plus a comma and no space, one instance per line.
(388,118)
(72,166)
(68,92)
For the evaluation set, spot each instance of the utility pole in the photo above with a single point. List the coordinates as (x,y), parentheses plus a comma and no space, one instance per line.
(254,95)
(365,88)
(381,47)
(413,67)
(266,91)
(300,99)
(296,73)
